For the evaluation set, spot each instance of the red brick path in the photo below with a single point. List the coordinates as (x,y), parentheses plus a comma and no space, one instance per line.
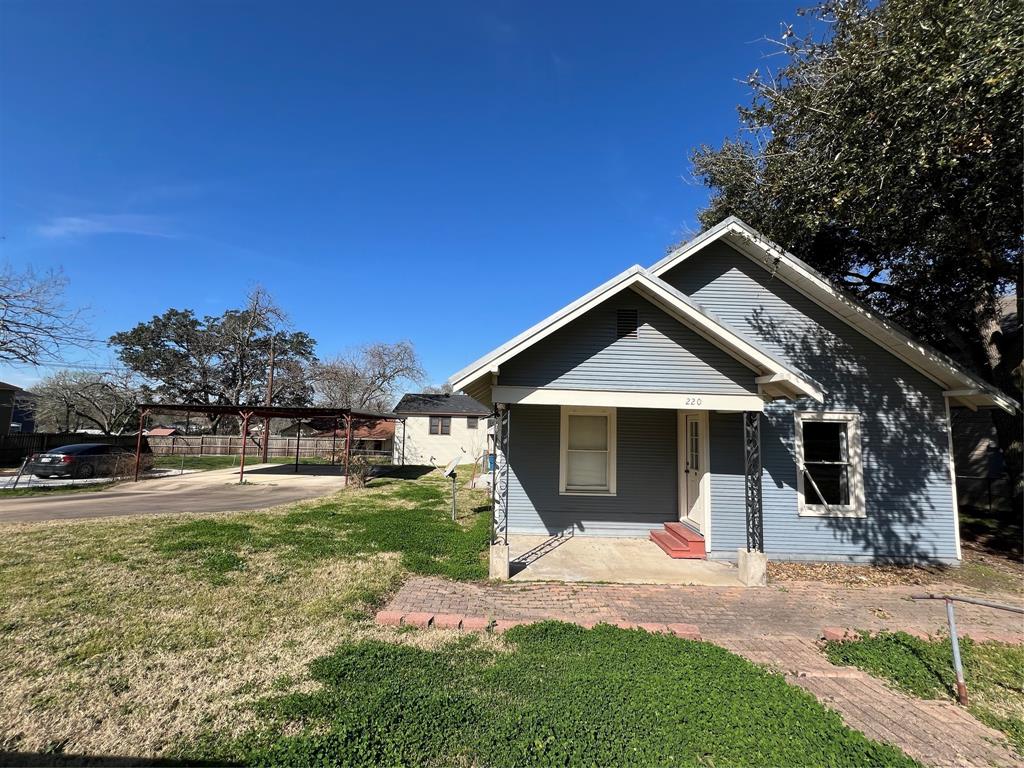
(776,626)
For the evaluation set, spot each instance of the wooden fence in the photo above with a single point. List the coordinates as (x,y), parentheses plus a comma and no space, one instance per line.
(13,448)
(231,445)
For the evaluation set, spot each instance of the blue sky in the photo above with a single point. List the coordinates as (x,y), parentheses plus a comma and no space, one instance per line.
(448,173)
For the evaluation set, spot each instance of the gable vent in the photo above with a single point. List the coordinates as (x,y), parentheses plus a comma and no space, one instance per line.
(627,323)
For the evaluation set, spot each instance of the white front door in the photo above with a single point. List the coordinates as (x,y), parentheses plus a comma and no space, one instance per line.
(692,458)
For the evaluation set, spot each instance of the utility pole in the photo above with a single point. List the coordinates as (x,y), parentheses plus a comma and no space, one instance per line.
(270,398)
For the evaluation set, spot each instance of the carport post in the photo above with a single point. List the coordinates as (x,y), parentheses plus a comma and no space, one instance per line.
(245,439)
(348,443)
(334,443)
(138,443)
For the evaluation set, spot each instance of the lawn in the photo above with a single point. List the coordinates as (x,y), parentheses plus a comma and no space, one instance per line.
(51,490)
(249,637)
(994,674)
(204,463)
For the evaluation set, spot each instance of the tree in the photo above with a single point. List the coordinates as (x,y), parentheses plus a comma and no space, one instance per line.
(368,378)
(221,360)
(72,400)
(888,155)
(35,323)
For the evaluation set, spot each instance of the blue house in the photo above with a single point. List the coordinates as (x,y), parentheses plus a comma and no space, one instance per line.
(728,400)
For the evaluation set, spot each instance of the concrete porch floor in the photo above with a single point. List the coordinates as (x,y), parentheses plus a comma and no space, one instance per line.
(610,560)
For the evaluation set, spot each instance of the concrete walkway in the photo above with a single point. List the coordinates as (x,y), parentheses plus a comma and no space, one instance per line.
(267,485)
(619,560)
(775,626)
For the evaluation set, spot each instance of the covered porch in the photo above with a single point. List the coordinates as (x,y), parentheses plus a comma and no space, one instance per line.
(617,487)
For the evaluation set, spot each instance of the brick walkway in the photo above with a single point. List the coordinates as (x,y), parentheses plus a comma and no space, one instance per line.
(775,626)
(720,612)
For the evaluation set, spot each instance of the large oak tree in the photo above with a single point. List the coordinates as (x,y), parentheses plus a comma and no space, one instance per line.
(885,150)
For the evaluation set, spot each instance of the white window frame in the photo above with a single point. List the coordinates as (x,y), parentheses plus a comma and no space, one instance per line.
(563,463)
(856,506)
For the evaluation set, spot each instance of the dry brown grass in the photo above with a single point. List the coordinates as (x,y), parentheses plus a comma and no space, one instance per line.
(108,646)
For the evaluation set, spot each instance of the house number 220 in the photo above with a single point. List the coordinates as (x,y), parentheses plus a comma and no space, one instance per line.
(693,401)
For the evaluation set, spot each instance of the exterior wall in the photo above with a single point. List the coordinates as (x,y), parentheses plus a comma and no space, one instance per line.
(646,476)
(666,357)
(908,493)
(6,410)
(421,447)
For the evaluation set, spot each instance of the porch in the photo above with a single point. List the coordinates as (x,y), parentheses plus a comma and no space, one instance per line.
(597,559)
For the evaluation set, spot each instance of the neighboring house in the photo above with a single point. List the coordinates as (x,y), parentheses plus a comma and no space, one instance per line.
(300,428)
(372,437)
(23,418)
(732,388)
(436,428)
(7,395)
(161,432)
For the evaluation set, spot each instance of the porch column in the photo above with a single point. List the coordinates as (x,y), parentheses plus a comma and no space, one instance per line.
(752,480)
(499,556)
(499,484)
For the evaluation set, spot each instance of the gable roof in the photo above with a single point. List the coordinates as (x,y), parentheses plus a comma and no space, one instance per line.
(958,383)
(776,375)
(431,404)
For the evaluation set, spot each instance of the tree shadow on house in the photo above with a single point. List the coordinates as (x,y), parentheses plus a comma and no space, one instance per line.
(903,435)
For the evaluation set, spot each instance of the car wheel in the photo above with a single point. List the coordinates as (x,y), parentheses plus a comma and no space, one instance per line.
(86,471)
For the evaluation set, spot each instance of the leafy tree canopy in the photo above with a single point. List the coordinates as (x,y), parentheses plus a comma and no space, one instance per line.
(887,153)
(221,360)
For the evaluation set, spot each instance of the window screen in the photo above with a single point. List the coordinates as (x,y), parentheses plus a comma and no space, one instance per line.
(826,463)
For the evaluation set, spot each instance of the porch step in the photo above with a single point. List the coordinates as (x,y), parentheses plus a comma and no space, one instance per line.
(680,542)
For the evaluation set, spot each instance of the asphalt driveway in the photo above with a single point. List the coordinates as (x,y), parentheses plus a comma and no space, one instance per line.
(267,485)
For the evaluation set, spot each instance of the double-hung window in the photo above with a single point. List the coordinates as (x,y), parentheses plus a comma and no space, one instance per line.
(830,475)
(440,425)
(471,422)
(587,462)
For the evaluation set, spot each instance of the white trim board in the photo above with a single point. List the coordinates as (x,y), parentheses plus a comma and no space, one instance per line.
(789,380)
(603,398)
(801,277)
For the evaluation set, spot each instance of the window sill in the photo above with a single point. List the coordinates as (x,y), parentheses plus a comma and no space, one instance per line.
(587,493)
(822,512)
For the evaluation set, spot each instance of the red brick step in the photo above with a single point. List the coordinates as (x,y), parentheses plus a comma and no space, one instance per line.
(680,542)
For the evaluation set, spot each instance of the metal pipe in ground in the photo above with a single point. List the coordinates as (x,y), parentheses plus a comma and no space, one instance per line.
(958,667)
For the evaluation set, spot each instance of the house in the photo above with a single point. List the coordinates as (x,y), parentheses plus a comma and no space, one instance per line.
(436,428)
(8,393)
(161,431)
(300,428)
(731,403)
(374,437)
(23,417)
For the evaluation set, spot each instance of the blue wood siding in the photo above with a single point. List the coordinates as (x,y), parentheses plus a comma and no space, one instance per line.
(666,357)
(903,429)
(646,476)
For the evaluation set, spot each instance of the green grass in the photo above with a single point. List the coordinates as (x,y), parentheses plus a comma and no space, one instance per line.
(561,696)
(205,463)
(54,490)
(410,518)
(994,674)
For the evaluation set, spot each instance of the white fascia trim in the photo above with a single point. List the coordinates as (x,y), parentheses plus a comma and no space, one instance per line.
(492,360)
(726,338)
(929,362)
(668,298)
(603,398)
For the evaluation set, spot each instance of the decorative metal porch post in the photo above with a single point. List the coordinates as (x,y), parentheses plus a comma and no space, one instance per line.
(752,480)
(499,482)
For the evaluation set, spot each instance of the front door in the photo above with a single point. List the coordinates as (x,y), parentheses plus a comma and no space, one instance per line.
(692,460)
